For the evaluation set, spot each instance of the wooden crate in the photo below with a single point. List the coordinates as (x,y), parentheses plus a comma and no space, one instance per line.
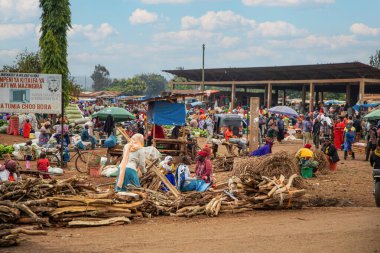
(358,149)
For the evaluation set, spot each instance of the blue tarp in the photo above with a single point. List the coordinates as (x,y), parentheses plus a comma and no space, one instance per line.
(357,107)
(167,114)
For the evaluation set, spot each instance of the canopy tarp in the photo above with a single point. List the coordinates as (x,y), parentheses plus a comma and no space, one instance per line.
(118,114)
(358,106)
(375,115)
(164,113)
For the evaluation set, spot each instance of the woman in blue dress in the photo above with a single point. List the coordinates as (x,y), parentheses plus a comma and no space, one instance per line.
(349,140)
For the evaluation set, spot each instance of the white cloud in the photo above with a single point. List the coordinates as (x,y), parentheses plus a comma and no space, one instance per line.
(193,37)
(278,28)
(284,3)
(15,31)
(11,53)
(315,41)
(11,10)
(248,53)
(92,33)
(228,21)
(215,20)
(141,16)
(228,41)
(362,29)
(165,1)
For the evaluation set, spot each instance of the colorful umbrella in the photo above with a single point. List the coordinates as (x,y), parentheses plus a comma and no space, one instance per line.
(283,110)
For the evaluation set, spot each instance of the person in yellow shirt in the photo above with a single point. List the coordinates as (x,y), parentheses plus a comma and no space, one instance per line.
(305,153)
(305,158)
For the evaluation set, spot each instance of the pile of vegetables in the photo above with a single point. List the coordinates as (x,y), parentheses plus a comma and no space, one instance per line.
(3,122)
(199,132)
(73,113)
(5,149)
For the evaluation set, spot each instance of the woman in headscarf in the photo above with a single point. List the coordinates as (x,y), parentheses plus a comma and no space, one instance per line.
(133,159)
(167,168)
(203,167)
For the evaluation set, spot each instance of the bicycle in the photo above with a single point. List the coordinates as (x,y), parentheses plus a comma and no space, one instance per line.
(81,161)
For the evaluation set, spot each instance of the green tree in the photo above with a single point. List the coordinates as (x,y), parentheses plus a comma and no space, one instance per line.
(131,87)
(101,78)
(155,84)
(374,60)
(26,62)
(55,22)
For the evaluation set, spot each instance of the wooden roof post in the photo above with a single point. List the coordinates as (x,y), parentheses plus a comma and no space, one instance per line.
(269,99)
(233,95)
(254,104)
(311,98)
(348,94)
(361,91)
(303,98)
(284,97)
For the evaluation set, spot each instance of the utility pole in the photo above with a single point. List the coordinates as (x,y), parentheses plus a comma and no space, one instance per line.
(203,68)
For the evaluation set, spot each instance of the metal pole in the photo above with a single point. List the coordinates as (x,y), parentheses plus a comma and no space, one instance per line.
(203,68)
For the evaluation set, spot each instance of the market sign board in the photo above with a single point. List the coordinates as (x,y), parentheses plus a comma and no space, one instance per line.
(30,93)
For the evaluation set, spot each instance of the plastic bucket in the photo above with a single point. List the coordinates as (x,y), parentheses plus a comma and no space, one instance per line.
(307,172)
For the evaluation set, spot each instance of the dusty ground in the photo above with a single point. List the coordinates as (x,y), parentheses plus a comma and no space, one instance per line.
(353,228)
(311,230)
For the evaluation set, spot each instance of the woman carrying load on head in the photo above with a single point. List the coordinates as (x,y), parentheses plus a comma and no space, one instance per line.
(133,159)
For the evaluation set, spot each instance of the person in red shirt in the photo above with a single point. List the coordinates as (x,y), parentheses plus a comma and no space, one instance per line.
(228,133)
(43,165)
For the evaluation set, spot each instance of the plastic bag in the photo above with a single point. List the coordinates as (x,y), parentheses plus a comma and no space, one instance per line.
(103,161)
(110,171)
(110,142)
(55,170)
(151,153)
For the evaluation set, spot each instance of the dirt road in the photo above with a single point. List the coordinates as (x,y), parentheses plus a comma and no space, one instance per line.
(310,230)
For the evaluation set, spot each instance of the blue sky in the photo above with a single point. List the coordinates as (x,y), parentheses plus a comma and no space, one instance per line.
(142,36)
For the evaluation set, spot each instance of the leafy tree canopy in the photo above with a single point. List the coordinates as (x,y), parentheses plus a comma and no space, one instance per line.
(25,62)
(101,78)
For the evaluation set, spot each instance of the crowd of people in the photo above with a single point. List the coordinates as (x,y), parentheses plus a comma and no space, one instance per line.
(327,130)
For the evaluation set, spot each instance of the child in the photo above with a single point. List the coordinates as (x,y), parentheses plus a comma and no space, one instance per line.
(28,149)
(43,165)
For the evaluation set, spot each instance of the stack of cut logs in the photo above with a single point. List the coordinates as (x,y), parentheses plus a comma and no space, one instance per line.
(74,203)
(223,163)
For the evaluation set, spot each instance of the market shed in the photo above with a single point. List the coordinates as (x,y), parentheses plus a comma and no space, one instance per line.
(355,79)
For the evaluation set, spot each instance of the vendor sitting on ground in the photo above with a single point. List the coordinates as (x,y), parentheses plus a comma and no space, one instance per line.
(305,158)
(86,137)
(9,171)
(264,150)
(167,168)
(331,153)
(43,138)
(183,177)
(203,167)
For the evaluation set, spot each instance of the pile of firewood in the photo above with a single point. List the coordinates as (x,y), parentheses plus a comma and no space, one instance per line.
(280,163)
(74,203)
(223,163)
(37,188)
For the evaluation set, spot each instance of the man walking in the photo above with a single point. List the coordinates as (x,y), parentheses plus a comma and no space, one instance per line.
(307,127)
(316,132)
